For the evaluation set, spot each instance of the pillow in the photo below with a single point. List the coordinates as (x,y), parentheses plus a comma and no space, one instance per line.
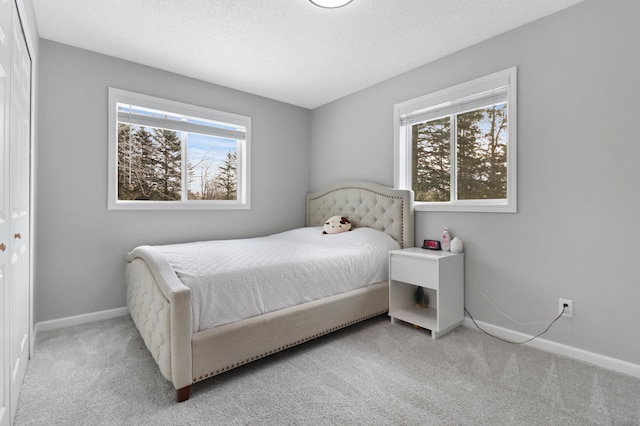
(336,225)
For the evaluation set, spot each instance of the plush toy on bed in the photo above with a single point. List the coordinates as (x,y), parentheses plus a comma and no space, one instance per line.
(336,225)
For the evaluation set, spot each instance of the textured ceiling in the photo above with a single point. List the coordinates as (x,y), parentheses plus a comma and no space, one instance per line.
(288,50)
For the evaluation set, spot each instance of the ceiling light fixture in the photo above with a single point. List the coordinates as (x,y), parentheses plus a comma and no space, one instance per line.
(331,4)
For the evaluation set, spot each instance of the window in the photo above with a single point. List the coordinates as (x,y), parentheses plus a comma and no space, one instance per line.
(169,155)
(456,148)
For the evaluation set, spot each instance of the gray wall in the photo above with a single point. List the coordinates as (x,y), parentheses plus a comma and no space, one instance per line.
(578,178)
(576,232)
(80,245)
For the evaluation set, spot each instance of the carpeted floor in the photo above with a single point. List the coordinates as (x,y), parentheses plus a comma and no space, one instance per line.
(373,373)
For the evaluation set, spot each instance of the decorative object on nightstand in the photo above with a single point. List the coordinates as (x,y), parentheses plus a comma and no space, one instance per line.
(422,298)
(456,245)
(445,239)
(439,275)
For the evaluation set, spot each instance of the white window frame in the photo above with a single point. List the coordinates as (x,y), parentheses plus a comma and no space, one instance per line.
(458,98)
(243,186)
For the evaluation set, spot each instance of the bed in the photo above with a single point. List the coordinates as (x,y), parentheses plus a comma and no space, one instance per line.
(162,305)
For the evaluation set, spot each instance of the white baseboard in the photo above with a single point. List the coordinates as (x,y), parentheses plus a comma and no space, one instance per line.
(80,319)
(603,361)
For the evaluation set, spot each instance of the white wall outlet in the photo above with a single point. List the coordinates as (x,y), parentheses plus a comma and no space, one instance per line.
(568,311)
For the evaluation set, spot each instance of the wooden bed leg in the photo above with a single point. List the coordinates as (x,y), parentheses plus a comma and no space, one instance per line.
(183,393)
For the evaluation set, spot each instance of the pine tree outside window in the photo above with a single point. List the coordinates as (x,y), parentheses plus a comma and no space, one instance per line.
(456,148)
(169,155)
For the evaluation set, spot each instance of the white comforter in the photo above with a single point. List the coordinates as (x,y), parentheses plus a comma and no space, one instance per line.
(235,279)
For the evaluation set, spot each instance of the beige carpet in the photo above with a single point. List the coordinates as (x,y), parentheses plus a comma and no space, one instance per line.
(373,373)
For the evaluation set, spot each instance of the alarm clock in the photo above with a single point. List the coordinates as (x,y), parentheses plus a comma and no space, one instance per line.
(431,245)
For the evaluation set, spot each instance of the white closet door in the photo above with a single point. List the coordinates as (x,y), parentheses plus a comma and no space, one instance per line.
(5,71)
(19,152)
(15,147)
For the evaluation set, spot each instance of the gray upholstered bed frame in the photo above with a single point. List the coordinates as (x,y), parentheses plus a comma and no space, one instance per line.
(159,303)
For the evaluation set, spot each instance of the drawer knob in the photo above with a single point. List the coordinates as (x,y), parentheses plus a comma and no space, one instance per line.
(3,247)
(17,236)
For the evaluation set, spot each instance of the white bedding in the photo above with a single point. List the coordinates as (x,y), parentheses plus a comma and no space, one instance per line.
(235,279)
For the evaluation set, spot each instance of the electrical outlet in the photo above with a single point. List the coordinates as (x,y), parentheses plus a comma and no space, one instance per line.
(568,311)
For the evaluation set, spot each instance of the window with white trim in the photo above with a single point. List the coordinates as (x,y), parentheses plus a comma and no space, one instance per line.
(165,154)
(456,148)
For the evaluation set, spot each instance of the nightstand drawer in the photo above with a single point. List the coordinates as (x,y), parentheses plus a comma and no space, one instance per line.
(416,271)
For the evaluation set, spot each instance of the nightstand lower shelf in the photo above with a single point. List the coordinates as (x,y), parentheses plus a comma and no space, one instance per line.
(418,315)
(422,317)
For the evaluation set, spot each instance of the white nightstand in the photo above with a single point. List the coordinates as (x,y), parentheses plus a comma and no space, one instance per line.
(441,274)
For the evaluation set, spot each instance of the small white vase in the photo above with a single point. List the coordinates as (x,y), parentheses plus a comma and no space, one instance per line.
(456,245)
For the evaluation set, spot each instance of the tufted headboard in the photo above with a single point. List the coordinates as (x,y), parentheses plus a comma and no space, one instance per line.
(365,204)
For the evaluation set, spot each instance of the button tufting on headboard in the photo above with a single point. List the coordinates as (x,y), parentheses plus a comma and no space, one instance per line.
(365,204)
